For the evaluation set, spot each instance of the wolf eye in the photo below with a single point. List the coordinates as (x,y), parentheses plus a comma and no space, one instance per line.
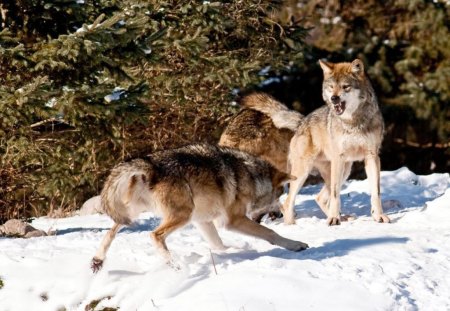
(346,87)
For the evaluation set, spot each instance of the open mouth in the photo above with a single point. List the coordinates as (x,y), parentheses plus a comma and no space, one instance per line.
(339,107)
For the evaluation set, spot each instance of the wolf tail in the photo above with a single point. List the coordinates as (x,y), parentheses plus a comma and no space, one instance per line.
(282,117)
(126,192)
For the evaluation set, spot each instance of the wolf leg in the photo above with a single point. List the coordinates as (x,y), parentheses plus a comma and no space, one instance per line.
(97,261)
(248,227)
(323,198)
(169,225)
(209,233)
(337,173)
(289,204)
(346,173)
(372,166)
(300,169)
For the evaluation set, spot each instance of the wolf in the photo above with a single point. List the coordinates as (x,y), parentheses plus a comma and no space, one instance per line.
(264,128)
(198,183)
(348,128)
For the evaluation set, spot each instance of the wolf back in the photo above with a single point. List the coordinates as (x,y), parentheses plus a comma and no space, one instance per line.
(264,128)
(197,169)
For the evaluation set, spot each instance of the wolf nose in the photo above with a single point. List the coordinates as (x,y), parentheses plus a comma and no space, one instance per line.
(335,99)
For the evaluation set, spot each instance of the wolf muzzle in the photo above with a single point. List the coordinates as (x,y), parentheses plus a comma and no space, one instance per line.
(338,104)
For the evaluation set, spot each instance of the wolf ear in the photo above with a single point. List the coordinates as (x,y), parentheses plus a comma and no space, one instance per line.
(280,178)
(358,67)
(326,67)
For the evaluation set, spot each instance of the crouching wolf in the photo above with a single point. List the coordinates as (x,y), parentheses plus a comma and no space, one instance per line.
(348,128)
(263,127)
(198,183)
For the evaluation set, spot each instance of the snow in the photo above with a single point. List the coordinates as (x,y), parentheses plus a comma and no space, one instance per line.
(115,95)
(51,102)
(359,265)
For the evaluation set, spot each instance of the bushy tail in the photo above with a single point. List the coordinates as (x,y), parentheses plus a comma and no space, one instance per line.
(126,192)
(282,117)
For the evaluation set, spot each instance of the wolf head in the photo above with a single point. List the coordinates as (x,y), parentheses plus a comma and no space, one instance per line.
(269,192)
(345,87)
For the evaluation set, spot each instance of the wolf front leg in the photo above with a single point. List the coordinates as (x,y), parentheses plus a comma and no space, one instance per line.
(249,227)
(97,261)
(300,169)
(169,225)
(372,166)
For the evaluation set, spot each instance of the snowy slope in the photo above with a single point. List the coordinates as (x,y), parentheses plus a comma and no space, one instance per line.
(360,265)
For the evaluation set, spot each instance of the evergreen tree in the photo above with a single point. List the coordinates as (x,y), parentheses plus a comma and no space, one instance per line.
(86,83)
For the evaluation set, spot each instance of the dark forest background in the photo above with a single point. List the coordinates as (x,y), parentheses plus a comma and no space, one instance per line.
(85,84)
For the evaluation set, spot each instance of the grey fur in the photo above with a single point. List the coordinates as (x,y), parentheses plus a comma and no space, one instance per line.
(198,183)
(348,128)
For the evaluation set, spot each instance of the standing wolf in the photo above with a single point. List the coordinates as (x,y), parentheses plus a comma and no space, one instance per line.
(198,183)
(348,128)
(263,127)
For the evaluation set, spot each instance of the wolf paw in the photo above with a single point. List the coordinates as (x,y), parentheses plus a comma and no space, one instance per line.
(173,265)
(96,264)
(299,246)
(382,218)
(348,217)
(289,219)
(219,248)
(333,221)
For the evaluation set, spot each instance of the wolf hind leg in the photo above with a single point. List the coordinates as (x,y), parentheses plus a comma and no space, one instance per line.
(345,175)
(159,235)
(323,198)
(97,261)
(249,227)
(209,233)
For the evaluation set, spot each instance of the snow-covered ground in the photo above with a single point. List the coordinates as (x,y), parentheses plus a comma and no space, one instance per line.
(359,265)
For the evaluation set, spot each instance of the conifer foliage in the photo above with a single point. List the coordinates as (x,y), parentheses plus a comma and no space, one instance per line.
(87,83)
